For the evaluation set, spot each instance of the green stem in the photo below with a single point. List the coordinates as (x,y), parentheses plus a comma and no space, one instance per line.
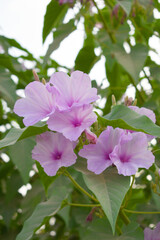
(130,189)
(156,151)
(109,3)
(139,212)
(124,217)
(79,187)
(138,92)
(104,22)
(119,230)
(81,142)
(83,205)
(129,193)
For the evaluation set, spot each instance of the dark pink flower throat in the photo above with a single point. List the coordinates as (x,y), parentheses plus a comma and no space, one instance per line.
(56,155)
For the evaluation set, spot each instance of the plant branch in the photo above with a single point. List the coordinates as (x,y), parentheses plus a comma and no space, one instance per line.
(79,187)
(129,191)
(83,205)
(138,92)
(104,22)
(139,212)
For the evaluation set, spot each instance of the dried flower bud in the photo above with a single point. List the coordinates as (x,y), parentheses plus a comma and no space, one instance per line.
(35,75)
(90,136)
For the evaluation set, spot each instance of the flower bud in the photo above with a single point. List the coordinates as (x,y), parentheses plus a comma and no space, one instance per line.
(35,75)
(90,136)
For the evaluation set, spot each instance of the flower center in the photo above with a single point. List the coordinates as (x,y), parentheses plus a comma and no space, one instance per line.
(124,158)
(76,123)
(107,156)
(70,102)
(56,155)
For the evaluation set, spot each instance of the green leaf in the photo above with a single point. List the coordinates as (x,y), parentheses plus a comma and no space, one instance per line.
(133,62)
(8,88)
(10,201)
(54,14)
(10,42)
(132,232)
(33,197)
(59,35)
(46,180)
(100,229)
(109,187)
(16,134)
(6,62)
(46,209)
(20,154)
(122,33)
(118,79)
(86,57)
(123,117)
(126,5)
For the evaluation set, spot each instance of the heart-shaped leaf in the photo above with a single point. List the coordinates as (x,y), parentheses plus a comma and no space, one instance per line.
(109,187)
(123,117)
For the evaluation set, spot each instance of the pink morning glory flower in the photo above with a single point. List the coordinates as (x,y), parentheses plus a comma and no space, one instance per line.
(75,90)
(144,111)
(152,234)
(53,151)
(147,112)
(73,122)
(38,103)
(98,155)
(131,153)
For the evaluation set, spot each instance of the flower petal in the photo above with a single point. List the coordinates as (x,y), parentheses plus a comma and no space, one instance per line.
(37,104)
(97,154)
(73,122)
(48,144)
(74,91)
(131,153)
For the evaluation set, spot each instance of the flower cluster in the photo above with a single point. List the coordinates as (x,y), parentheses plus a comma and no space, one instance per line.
(127,151)
(67,102)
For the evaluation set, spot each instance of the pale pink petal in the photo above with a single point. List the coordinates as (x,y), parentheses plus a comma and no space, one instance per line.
(53,151)
(97,160)
(131,153)
(157,232)
(63,84)
(148,234)
(37,105)
(110,137)
(144,111)
(98,155)
(73,122)
(82,91)
(74,91)
(152,234)
(147,112)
